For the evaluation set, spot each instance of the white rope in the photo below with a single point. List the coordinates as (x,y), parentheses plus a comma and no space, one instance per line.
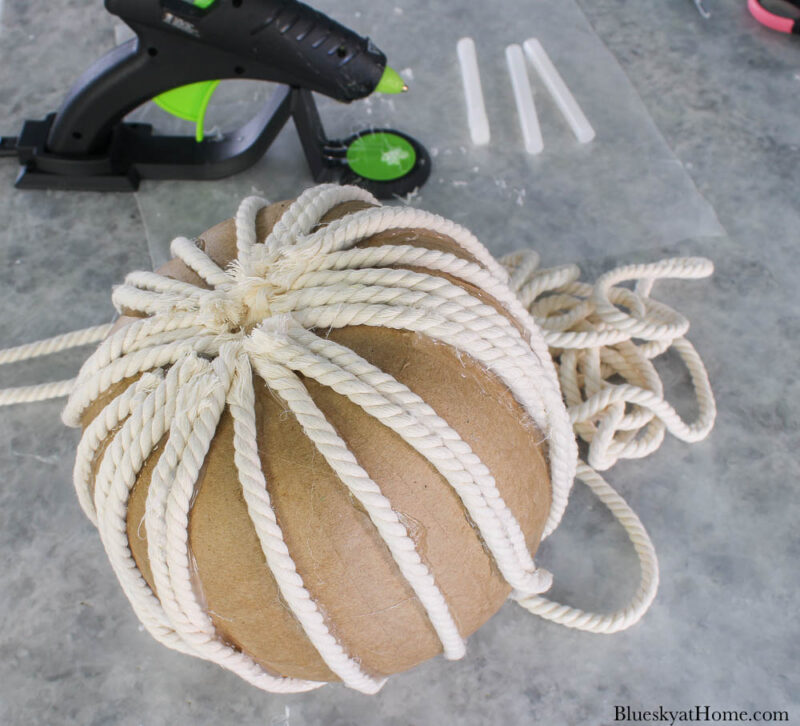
(39,348)
(196,350)
(276,553)
(54,345)
(594,341)
(648,564)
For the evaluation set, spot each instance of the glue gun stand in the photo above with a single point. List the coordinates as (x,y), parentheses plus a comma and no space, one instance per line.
(135,153)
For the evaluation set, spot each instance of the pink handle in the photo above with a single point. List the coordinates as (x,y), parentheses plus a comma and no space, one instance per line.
(775,22)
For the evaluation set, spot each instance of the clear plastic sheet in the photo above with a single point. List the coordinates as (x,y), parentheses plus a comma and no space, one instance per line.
(624,191)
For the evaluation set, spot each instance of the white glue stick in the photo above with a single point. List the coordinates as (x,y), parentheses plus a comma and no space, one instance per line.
(528,120)
(558,90)
(476,108)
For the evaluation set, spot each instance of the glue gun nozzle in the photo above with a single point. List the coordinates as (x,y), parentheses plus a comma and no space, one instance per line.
(391,82)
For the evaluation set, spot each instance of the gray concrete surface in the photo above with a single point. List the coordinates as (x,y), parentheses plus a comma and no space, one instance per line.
(697,153)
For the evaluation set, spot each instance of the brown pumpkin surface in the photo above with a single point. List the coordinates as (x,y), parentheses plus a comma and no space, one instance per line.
(345,565)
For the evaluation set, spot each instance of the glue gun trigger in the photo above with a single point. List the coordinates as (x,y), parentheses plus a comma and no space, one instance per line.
(189,102)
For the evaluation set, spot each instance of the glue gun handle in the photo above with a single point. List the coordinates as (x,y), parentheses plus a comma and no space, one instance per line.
(114,85)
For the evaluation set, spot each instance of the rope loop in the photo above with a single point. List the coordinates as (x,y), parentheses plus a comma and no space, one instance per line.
(603,354)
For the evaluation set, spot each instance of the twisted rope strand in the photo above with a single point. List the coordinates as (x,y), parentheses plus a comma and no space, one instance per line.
(56,344)
(196,260)
(364,489)
(39,349)
(116,475)
(394,405)
(648,586)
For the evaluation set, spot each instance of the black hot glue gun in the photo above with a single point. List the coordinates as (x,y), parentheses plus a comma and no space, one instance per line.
(181,50)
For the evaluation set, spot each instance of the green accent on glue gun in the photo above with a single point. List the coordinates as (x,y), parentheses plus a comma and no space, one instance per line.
(391,82)
(204,3)
(189,103)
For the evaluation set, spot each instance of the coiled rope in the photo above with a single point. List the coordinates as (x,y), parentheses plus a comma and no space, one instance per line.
(197,349)
(603,339)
